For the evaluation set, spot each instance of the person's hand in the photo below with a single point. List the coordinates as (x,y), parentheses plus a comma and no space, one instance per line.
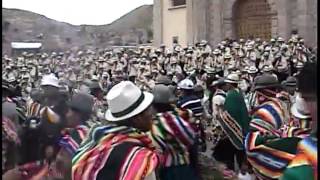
(13,174)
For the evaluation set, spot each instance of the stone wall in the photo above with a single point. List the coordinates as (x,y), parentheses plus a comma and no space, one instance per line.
(213,20)
(157,22)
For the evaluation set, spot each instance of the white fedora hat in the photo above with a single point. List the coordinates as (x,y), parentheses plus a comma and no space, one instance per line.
(252,70)
(299,109)
(126,100)
(186,84)
(50,80)
(267,68)
(232,78)
(227,56)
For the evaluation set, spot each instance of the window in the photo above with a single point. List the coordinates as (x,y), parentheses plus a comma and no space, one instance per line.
(175,40)
(178,2)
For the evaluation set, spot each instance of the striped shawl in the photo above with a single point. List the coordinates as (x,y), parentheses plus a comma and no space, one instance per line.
(72,138)
(173,135)
(114,152)
(305,163)
(269,116)
(235,118)
(269,155)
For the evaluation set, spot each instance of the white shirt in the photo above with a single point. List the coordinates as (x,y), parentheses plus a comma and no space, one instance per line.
(217,100)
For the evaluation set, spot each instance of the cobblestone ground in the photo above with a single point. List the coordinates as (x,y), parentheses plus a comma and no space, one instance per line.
(209,169)
(208,166)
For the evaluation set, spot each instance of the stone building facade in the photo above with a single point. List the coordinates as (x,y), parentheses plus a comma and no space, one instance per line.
(189,21)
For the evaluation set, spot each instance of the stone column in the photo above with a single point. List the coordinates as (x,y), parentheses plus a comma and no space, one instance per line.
(157,22)
(307,21)
(227,19)
(190,21)
(284,27)
(216,34)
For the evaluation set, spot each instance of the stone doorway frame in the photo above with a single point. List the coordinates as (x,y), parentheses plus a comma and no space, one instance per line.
(229,19)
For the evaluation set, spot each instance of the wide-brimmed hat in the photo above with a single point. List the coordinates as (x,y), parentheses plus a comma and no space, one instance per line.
(267,48)
(299,109)
(266,53)
(290,81)
(162,79)
(24,69)
(216,51)
(173,61)
(186,84)
(101,59)
(266,81)
(25,76)
(95,85)
(82,102)
(50,80)
(232,78)
(218,82)
(162,94)
(267,68)
(299,65)
(249,47)
(252,70)
(245,69)
(227,56)
(210,70)
(126,100)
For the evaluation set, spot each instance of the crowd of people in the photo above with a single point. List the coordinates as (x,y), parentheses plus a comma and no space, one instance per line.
(147,113)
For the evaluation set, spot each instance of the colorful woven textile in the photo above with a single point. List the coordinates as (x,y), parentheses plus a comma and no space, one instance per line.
(40,170)
(269,115)
(114,152)
(33,109)
(234,118)
(305,163)
(173,135)
(269,155)
(72,138)
(301,123)
(9,131)
(288,131)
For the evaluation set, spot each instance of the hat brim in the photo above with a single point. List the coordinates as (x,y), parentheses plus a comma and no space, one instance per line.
(267,86)
(295,113)
(76,108)
(148,99)
(231,81)
(252,72)
(50,84)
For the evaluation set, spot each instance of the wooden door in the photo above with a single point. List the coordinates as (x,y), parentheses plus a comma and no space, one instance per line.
(253,18)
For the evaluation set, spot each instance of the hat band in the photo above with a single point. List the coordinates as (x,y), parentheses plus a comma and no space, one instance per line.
(291,84)
(130,108)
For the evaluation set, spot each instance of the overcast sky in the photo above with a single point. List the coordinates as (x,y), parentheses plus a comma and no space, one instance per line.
(93,12)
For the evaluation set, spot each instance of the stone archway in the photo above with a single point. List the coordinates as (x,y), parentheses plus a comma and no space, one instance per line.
(229,16)
(253,18)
